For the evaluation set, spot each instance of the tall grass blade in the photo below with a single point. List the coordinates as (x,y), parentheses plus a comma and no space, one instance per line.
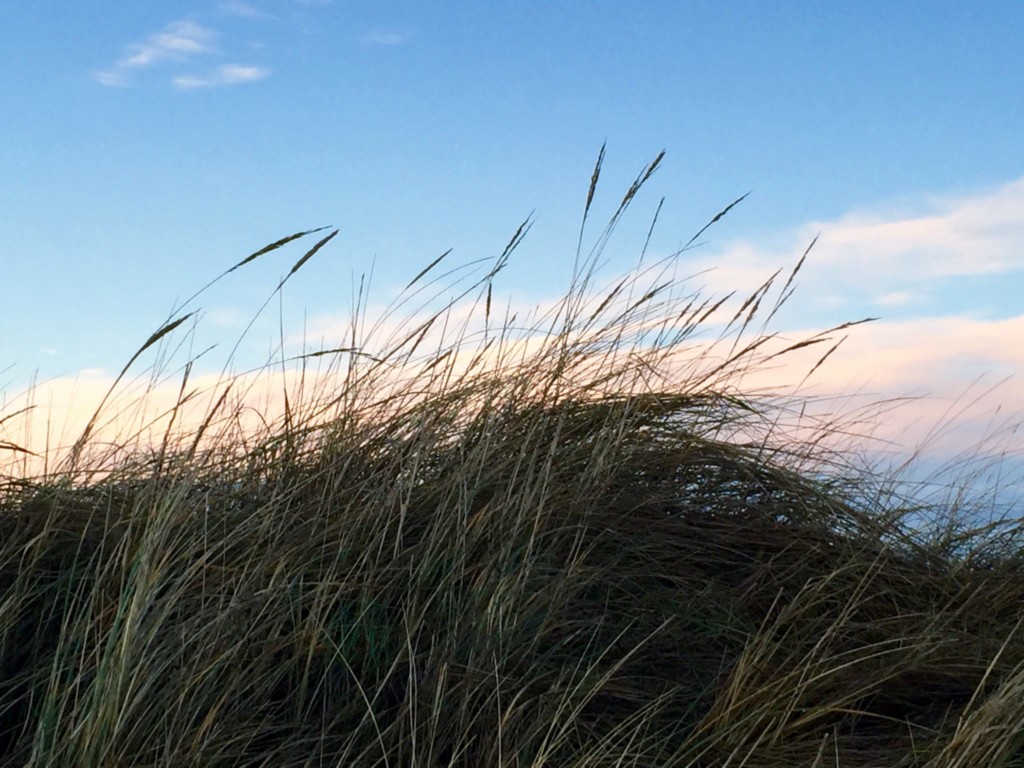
(308,255)
(274,246)
(594,177)
(715,219)
(426,269)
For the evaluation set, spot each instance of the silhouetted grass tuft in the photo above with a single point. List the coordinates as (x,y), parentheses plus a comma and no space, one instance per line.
(574,542)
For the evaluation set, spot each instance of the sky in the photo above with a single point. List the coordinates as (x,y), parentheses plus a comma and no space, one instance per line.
(146,148)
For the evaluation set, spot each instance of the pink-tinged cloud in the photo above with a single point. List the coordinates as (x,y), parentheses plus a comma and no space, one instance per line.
(946,366)
(947,369)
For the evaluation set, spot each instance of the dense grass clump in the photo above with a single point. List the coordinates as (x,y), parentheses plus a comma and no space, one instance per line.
(577,544)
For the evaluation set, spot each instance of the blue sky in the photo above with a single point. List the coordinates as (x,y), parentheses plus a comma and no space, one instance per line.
(147,147)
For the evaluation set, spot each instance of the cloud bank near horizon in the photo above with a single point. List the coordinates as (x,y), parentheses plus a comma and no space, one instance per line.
(961,371)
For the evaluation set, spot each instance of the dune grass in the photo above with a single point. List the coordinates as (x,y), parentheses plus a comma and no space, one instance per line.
(572,541)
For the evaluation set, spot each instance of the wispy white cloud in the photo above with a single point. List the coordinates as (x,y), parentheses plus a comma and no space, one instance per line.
(896,299)
(112,78)
(887,260)
(178,40)
(182,47)
(228,74)
(243,10)
(385,37)
(972,235)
